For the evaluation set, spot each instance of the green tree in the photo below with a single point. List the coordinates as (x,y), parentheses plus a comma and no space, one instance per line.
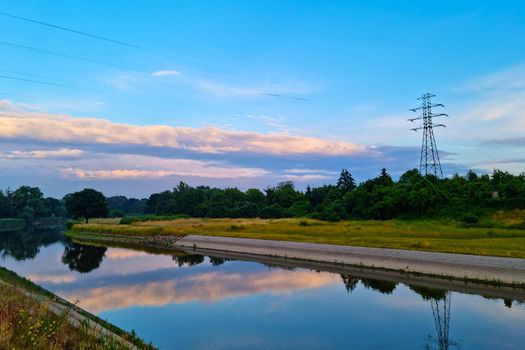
(86,204)
(346,182)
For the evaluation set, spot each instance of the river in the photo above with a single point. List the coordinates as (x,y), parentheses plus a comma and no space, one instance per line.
(180,301)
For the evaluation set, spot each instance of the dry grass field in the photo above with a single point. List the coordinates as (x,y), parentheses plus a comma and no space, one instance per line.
(498,235)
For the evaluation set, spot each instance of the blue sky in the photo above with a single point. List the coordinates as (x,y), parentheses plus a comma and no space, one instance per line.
(250,93)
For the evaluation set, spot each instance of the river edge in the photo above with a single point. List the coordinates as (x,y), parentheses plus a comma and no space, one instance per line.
(77,316)
(515,289)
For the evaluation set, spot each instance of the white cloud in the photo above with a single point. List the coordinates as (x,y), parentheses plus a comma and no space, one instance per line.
(56,153)
(506,79)
(221,89)
(163,73)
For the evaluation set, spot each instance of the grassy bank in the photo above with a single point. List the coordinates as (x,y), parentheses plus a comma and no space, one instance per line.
(498,235)
(26,321)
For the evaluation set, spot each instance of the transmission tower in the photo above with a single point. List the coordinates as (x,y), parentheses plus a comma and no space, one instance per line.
(429,162)
(441,313)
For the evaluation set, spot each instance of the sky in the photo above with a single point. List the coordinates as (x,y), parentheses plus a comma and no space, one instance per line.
(250,93)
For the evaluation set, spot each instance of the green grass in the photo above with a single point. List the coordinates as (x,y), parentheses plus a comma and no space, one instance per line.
(500,239)
(25,321)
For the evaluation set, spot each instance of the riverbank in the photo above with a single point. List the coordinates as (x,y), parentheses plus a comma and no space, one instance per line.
(32,317)
(505,271)
(498,237)
(459,267)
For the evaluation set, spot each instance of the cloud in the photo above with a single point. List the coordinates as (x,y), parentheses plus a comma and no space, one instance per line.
(163,73)
(510,78)
(39,154)
(221,89)
(62,128)
(190,168)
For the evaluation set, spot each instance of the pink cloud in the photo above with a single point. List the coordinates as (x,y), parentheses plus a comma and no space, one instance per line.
(64,128)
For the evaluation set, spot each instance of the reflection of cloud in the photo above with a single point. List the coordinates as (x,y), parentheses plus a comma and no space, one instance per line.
(204,287)
(119,253)
(55,279)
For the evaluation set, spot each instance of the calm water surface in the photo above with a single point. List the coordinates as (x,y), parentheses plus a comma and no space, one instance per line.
(197,302)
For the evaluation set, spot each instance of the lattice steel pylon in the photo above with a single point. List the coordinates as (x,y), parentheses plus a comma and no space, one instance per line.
(441,313)
(429,162)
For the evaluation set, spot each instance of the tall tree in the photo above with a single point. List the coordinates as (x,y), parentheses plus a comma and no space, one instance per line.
(346,182)
(86,204)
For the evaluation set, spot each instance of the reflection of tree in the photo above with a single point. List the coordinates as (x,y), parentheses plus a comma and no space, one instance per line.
(218,261)
(429,293)
(82,258)
(22,245)
(440,304)
(279,267)
(350,282)
(190,259)
(385,287)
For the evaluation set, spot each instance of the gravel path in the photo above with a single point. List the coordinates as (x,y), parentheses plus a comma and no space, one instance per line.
(485,268)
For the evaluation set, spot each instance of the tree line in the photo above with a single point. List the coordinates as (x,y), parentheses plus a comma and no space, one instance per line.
(411,196)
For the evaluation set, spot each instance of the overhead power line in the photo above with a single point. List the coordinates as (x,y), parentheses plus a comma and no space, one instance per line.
(54,53)
(52,84)
(94,36)
(28,74)
(110,40)
(118,42)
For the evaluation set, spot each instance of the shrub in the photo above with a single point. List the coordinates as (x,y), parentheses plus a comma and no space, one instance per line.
(131,219)
(469,218)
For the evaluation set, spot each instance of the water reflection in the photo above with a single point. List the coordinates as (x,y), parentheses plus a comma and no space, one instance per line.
(256,303)
(82,258)
(22,245)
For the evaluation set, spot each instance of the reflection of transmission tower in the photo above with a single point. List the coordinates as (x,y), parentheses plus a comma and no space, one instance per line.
(441,312)
(429,161)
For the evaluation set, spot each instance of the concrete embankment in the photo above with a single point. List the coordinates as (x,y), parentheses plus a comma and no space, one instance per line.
(459,266)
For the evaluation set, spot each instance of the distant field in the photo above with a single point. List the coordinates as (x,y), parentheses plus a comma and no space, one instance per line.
(500,236)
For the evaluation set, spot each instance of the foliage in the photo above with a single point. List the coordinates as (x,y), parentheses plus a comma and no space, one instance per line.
(380,198)
(346,182)
(131,219)
(429,235)
(27,323)
(28,203)
(119,206)
(86,204)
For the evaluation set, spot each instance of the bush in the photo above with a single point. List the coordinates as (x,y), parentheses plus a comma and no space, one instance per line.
(469,218)
(273,211)
(117,214)
(131,219)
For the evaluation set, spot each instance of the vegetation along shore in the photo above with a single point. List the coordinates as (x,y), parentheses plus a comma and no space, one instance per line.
(34,318)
